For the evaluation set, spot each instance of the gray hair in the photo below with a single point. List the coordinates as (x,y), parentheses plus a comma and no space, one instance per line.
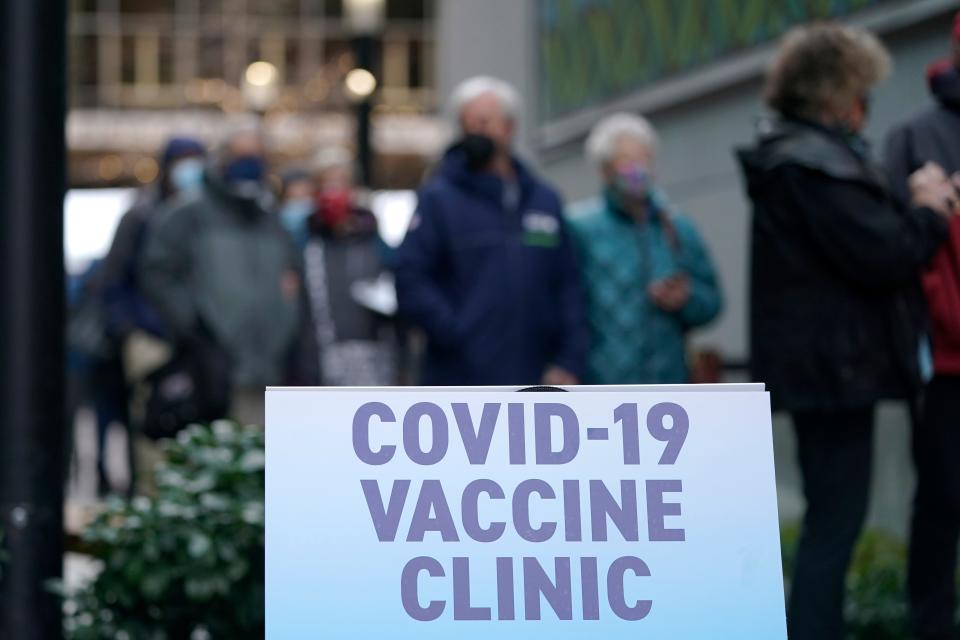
(474,87)
(236,127)
(602,141)
(822,69)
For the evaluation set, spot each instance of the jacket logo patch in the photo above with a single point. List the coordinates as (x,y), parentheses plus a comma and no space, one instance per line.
(540,229)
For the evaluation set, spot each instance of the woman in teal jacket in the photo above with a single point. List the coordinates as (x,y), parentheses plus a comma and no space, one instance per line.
(648,276)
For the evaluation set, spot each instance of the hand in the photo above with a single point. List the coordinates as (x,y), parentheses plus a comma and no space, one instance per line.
(955,181)
(930,187)
(670,294)
(556,376)
(290,284)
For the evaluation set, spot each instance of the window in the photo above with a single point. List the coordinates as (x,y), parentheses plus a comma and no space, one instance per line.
(416,65)
(84,60)
(407,9)
(291,61)
(280,8)
(333,8)
(147,6)
(128,59)
(338,54)
(210,56)
(210,7)
(167,64)
(83,6)
(312,8)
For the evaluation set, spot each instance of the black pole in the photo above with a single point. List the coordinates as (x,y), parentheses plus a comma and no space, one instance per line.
(364,153)
(32,425)
(364,51)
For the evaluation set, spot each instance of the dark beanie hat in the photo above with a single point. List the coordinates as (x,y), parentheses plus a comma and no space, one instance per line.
(180,147)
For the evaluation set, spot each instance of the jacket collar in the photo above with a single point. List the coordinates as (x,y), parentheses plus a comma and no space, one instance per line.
(811,145)
(246,207)
(488,186)
(943,77)
(657,206)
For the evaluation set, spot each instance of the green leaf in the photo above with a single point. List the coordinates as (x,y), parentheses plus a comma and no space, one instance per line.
(200,545)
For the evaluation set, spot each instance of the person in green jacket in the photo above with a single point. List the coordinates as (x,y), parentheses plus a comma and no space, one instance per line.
(225,277)
(647,273)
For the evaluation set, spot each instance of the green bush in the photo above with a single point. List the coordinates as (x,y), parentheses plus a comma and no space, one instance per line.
(876,606)
(876,601)
(188,561)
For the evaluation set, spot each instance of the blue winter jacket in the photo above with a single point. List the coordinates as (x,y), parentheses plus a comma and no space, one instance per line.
(632,340)
(487,270)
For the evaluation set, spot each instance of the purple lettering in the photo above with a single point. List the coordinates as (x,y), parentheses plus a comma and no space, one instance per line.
(543,414)
(559,595)
(591,588)
(470,511)
(505,606)
(361,433)
(517,432)
(604,505)
(657,510)
(615,588)
(462,609)
(411,433)
(521,511)
(386,520)
(432,513)
(408,589)
(476,441)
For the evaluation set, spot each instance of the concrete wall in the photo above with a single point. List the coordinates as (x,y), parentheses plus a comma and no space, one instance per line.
(489,37)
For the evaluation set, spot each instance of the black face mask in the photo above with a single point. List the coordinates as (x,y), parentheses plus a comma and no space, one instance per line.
(478,150)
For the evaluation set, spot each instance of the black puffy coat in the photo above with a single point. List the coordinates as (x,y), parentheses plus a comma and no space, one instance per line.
(835,310)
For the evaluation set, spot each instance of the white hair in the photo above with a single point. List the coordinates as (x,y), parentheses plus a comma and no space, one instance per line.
(472,88)
(602,142)
(331,158)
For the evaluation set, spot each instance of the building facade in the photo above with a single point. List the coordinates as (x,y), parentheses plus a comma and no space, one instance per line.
(143,70)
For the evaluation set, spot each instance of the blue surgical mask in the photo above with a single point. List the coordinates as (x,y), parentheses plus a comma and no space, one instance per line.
(187,175)
(294,214)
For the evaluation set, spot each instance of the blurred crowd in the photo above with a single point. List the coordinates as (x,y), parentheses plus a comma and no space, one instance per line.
(219,284)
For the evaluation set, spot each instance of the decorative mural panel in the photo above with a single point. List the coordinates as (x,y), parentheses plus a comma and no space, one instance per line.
(591,51)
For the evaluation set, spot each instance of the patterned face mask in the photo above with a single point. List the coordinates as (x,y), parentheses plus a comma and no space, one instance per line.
(632,181)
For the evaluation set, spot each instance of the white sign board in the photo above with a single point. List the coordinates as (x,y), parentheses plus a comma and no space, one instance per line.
(628,512)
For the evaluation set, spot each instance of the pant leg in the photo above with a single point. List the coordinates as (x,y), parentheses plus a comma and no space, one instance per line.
(935,525)
(835,449)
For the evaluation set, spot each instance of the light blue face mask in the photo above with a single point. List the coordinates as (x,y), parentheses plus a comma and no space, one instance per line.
(187,175)
(293,217)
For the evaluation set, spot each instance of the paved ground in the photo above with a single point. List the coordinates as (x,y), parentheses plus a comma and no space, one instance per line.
(82,499)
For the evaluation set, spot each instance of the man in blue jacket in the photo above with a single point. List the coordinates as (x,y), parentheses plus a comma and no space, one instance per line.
(487,269)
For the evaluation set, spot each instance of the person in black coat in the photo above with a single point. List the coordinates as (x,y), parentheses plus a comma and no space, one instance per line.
(128,315)
(343,258)
(933,135)
(835,308)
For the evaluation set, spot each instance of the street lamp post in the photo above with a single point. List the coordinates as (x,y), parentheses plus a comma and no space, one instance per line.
(32,421)
(365,19)
(260,86)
